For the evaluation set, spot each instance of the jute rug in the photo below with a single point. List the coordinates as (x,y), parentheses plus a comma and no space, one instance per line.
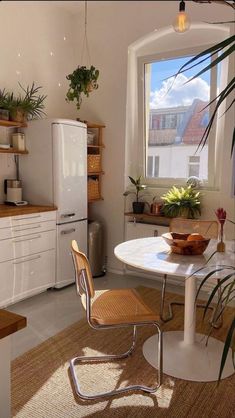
(41,386)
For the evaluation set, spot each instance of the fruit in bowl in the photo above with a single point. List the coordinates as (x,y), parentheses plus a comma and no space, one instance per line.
(186,244)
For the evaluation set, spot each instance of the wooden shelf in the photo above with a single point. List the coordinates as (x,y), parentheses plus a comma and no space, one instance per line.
(12,151)
(149,217)
(95,200)
(11,124)
(93,125)
(95,146)
(96,173)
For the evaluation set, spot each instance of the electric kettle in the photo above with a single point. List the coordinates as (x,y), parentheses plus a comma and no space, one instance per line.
(13,190)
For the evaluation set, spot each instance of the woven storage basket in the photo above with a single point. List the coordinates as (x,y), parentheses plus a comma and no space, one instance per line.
(93,163)
(93,189)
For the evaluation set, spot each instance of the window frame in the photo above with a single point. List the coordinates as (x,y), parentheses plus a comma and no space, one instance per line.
(148,59)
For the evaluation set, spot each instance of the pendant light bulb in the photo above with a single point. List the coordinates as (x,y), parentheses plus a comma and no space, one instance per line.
(182,22)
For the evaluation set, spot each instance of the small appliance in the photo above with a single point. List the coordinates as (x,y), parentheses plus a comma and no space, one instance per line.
(13,190)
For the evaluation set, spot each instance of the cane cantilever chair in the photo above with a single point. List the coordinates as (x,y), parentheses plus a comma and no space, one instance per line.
(208,229)
(111,309)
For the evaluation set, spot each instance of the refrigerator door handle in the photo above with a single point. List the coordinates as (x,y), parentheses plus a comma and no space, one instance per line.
(67,215)
(68,231)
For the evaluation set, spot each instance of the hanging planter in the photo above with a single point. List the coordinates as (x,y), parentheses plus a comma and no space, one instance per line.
(83,80)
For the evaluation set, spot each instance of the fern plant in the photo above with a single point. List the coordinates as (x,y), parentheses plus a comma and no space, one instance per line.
(183,201)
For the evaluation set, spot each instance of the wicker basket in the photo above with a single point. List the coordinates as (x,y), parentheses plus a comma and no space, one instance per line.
(93,163)
(93,189)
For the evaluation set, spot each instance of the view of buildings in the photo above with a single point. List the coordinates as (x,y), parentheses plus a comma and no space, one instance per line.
(174,135)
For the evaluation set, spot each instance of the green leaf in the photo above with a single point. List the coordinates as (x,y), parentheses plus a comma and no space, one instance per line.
(133,181)
(226,347)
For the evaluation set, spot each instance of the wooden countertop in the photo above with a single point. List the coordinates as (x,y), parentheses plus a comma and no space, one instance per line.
(10,323)
(8,210)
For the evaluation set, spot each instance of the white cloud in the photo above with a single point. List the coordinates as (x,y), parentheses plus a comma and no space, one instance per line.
(179,94)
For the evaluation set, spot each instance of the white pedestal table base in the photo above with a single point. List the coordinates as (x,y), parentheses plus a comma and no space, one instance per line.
(195,362)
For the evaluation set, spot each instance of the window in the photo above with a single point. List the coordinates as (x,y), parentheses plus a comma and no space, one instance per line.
(194,166)
(153,166)
(176,116)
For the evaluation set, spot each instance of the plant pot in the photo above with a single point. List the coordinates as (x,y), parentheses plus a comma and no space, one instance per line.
(18,115)
(138,207)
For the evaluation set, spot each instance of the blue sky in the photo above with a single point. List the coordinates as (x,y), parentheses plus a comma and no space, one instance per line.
(165,93)
(164,69)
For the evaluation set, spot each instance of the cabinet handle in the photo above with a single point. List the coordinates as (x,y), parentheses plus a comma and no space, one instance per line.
(67,215)
(68,231)
(24,229)
(25,219)
(27,239)
(29,259)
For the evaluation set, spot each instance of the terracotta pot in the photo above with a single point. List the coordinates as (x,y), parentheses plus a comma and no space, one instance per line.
(18,115)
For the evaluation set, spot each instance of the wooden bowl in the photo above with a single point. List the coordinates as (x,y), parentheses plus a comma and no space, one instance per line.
(179,244)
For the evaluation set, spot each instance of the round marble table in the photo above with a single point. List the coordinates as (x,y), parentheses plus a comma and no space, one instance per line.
(185,353)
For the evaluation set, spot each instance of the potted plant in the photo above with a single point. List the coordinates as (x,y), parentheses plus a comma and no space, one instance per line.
(183,201)
(138,206)
(4,113)
(27,106)
(83,80)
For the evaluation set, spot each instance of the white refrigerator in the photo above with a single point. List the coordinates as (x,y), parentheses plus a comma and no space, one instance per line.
(55,172)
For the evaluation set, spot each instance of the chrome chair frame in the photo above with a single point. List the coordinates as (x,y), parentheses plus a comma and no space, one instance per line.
(80,359)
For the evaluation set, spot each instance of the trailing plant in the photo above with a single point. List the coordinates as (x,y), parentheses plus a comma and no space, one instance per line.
(217,53)
(138,188)
(183,201)
(30,104)
(83,80)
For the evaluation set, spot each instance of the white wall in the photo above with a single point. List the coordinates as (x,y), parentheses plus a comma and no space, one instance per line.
(37,28)
(29,32)
(112,27)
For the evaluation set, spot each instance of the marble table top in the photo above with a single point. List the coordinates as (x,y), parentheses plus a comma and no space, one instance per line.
(153,254)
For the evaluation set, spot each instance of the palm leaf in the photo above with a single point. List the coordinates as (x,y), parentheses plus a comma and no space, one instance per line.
(214,291)
(213,63)
(212,50)
(226,347)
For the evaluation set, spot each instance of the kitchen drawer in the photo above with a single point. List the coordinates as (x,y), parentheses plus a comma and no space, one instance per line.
(21,230)
(26,276)
(29,244)
(10,221)
(32,218)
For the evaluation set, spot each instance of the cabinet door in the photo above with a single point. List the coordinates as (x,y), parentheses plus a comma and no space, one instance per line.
(65,235)
(141,230)
(26,276)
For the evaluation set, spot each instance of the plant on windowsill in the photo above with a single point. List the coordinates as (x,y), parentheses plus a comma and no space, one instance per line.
(137,205)
(83,80)
(182,202)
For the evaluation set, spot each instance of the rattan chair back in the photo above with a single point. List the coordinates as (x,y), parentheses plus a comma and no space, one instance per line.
(82,272)
(208,229)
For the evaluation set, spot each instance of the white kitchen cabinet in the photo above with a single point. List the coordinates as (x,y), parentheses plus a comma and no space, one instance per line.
(27,255)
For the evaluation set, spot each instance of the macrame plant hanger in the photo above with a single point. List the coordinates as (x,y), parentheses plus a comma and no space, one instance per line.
(85,46)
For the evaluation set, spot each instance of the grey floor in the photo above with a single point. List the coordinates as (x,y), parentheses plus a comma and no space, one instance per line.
(53,310)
